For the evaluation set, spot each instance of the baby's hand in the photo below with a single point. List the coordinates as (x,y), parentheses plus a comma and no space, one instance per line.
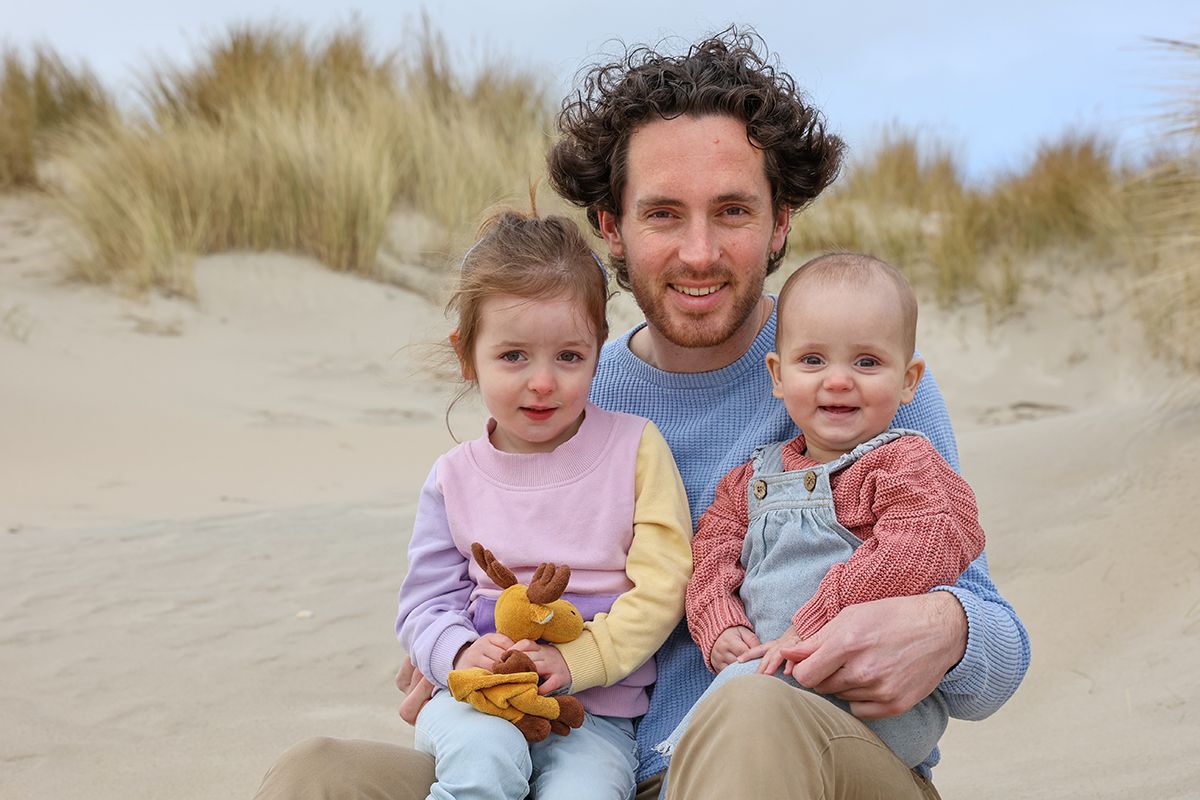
(771,655)
(483,652)
(732,643)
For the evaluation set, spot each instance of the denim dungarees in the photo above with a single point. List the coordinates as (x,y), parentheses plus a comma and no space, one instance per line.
(792,540)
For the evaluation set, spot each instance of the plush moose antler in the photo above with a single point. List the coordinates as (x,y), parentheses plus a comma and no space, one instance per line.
(509,689)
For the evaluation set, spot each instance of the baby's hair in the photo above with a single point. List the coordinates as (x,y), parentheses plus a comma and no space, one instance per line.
(531,257)
(857,270)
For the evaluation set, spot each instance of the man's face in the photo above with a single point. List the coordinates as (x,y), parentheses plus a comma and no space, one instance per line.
(696,227)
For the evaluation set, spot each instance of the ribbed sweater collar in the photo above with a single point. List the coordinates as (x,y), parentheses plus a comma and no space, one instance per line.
(573,458)
(751,360)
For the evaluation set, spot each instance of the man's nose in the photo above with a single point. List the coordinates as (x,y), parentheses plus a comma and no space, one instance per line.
(699,246)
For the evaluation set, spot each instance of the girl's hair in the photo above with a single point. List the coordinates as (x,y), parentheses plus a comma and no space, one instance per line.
(531,257)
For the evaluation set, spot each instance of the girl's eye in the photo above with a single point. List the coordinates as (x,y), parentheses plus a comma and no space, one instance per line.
(570,357)
(512,356)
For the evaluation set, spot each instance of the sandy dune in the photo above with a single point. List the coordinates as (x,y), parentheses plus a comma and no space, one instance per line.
(204,511)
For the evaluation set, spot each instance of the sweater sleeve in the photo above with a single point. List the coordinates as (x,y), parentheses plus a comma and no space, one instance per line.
(997,655)
(432,621)
(924,531)
(658,565)
(713,604)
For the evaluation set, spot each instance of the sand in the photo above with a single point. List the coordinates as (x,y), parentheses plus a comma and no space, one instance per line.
(204,511)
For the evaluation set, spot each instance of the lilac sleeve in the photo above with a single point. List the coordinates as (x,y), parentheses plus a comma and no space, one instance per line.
(433,622)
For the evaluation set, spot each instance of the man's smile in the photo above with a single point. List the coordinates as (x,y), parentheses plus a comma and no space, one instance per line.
(697,291)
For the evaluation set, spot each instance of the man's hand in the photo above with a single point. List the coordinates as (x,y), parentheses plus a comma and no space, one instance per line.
(772,653)
(417,690)
(732,642)
(885,656)
(483,652)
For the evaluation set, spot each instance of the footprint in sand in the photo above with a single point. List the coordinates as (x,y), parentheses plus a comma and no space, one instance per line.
(1021,411)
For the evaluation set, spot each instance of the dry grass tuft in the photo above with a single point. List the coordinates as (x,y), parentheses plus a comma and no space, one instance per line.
(907,201)
(277,140)
(37,102)
(1166,203)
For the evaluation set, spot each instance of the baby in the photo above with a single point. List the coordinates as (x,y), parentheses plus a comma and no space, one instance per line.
(849,511)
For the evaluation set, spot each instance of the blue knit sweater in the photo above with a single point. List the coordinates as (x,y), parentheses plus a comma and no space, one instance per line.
(713,421)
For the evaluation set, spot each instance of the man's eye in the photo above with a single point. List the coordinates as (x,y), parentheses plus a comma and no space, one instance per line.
(736,211)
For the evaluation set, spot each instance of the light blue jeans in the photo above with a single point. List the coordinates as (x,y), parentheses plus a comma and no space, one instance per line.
(480,756)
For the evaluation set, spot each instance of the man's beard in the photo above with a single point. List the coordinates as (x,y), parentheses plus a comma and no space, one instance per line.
(700,330)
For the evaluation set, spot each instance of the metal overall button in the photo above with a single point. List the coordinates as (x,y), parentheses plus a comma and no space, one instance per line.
(760,489)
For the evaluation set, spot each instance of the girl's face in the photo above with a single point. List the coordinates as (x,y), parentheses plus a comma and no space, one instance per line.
(534,361)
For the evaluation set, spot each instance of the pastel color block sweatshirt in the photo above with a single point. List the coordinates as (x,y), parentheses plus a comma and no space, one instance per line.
(608,502)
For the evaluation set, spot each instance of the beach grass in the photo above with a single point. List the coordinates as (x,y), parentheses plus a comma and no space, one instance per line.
(1166,217)
(907,200)
(41,97)
(276,139)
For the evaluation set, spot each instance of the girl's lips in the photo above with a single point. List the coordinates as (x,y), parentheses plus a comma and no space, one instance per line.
(538,414)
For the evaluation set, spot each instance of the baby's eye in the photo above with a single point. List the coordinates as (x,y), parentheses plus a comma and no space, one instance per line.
(570,357)
(811,361)
(866,362)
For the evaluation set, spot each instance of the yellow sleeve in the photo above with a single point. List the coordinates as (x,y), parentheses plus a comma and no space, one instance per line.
(659,565)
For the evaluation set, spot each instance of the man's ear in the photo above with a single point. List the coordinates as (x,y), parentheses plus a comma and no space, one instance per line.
(912,376)
(775,367)
(611,231)
(464,364)
(783,224)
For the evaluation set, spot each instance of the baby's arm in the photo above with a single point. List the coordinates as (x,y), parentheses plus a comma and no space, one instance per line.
(432,621)
(713,605)
(658,564)
(926,531)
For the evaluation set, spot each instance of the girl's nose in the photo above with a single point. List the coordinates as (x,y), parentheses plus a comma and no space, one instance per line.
(541,381)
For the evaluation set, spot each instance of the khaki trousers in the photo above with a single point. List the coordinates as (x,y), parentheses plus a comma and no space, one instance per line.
(756,738)
(760,737)
(354,769)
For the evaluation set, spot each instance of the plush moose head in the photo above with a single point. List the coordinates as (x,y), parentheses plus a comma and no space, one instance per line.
(536,611)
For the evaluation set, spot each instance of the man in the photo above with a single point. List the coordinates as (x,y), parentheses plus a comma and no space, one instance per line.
(690,168)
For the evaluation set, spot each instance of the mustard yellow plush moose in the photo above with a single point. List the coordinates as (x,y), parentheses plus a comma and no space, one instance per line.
(509,689)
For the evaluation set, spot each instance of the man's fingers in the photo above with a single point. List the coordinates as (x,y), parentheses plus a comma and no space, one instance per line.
(753,653)
(813,667)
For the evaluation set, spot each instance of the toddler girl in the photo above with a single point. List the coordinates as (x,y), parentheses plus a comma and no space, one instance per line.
(552,479)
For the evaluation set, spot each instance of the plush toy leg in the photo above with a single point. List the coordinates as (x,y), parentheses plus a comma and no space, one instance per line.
(535,729)
(570,715)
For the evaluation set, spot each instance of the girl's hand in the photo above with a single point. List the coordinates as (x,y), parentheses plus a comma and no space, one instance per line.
(772,654)
(550,664)
(732,643)
(483,652)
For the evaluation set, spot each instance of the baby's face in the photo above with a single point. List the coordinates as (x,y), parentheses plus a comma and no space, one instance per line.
(843,367)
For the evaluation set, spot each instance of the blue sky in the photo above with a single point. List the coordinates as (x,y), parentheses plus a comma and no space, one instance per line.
(990,79)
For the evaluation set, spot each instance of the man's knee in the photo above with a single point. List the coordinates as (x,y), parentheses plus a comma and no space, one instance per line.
(763,702)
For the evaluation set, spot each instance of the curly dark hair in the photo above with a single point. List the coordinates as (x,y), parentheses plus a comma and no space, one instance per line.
(731,73)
